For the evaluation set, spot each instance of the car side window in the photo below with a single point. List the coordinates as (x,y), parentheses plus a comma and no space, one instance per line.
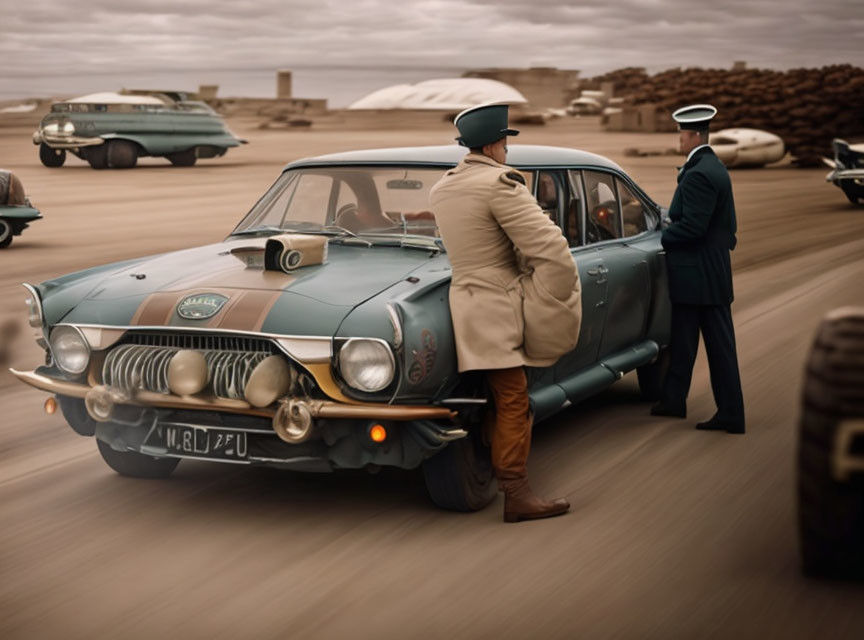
(573,212)
(603,219)
(312,197)
(549,194)
(633,212)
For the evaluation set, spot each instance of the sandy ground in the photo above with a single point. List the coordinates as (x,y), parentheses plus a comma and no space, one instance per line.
(673,534)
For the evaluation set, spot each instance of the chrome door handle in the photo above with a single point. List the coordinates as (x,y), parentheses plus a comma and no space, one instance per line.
(600,281)
(594,272)
(602,269)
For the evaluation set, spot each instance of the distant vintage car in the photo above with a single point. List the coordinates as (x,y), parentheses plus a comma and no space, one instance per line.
(317,336)
(16,212)
(831,449)
(115,129)
(747,147)
(847,169)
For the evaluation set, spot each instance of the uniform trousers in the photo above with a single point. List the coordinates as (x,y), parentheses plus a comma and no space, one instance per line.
(511,428)
(715,324)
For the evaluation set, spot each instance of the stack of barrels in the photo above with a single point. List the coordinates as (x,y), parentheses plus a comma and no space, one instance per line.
(805,107)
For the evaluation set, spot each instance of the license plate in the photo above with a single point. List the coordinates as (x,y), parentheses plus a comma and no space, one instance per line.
(220,444)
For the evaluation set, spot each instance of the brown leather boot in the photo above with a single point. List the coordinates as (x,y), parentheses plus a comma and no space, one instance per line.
(520,503)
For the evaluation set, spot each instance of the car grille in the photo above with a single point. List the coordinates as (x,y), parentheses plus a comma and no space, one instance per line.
(141,361)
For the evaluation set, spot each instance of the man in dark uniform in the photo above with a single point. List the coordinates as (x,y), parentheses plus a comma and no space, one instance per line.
(697,245)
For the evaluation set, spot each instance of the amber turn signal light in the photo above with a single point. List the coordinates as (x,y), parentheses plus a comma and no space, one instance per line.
(51,406)
(378,433)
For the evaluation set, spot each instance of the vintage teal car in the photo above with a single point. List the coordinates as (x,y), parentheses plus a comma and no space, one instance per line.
(317,336)
(115,129)
(16,212)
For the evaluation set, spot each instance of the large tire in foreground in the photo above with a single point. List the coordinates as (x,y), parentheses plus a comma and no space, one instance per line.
(831,508)
(97,156)
(651,376)
(183,158)
(136,465)
(460,477)
(51,157)
(6,233)
(122,154)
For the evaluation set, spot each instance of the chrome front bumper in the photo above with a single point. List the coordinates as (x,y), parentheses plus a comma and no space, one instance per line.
(316,408)
(65,142)
(838,175)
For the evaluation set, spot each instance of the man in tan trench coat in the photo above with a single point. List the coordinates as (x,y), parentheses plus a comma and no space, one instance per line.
(514,297)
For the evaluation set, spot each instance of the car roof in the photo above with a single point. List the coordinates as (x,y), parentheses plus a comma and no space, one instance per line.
(518,155)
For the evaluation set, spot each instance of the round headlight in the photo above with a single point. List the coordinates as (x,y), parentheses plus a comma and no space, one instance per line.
(52,128)
(366,365)
(34,308)
(70,349)
(67,128)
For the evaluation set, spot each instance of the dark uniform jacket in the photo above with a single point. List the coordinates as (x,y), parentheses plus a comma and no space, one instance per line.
(702,233)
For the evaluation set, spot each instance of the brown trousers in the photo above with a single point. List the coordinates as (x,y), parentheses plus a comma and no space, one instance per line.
(511,428)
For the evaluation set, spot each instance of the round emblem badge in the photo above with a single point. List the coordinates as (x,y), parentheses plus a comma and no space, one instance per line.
(200,306)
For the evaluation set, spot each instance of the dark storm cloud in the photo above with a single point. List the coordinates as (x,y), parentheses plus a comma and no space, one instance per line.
(53,37)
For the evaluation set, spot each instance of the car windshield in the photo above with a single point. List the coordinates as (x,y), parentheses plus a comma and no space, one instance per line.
(391,201)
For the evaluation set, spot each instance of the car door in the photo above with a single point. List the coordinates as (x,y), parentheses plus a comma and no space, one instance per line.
(624,268)
(592,278)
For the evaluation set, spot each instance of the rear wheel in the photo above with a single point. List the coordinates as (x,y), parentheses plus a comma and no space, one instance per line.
(459,477)
(5,234)
(51,157)
(831,509)
(122,154)
(136,465)
(183,158)
(651,376)
(97,156)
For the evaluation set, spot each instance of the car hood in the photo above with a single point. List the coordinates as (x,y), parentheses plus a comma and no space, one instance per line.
(311,301)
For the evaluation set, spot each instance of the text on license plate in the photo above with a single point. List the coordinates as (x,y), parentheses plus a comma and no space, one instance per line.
(212,443)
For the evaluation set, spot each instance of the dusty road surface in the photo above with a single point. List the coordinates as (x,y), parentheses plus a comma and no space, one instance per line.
(673,534)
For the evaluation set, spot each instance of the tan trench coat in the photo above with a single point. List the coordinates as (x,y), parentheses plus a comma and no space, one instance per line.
(515,297)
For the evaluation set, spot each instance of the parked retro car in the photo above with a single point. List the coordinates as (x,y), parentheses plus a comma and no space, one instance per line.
(317,336)
(847,169)
(16,212)
(831,449)
(747,147)
(115,129)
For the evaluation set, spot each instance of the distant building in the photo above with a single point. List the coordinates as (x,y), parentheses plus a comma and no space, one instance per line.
(453,94)
(542,87)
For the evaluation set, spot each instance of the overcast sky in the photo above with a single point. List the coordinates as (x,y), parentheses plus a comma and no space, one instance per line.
(51,38)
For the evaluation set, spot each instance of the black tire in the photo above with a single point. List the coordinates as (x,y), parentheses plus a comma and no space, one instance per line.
(831,511)
(136,465)
(51,157)
(183,158)
(651,376)
(854,192)
(97,156)
(6,233)
(122,154)
(460,477)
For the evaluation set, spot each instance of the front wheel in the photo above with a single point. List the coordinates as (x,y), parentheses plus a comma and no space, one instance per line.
(651,376)
(854,192)
(183,158)
(122,154)
(136,465)
(6,234)
(51,157)
(96,156)
(459,477)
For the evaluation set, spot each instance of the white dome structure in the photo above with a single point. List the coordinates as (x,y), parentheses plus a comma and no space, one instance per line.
(452,94)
